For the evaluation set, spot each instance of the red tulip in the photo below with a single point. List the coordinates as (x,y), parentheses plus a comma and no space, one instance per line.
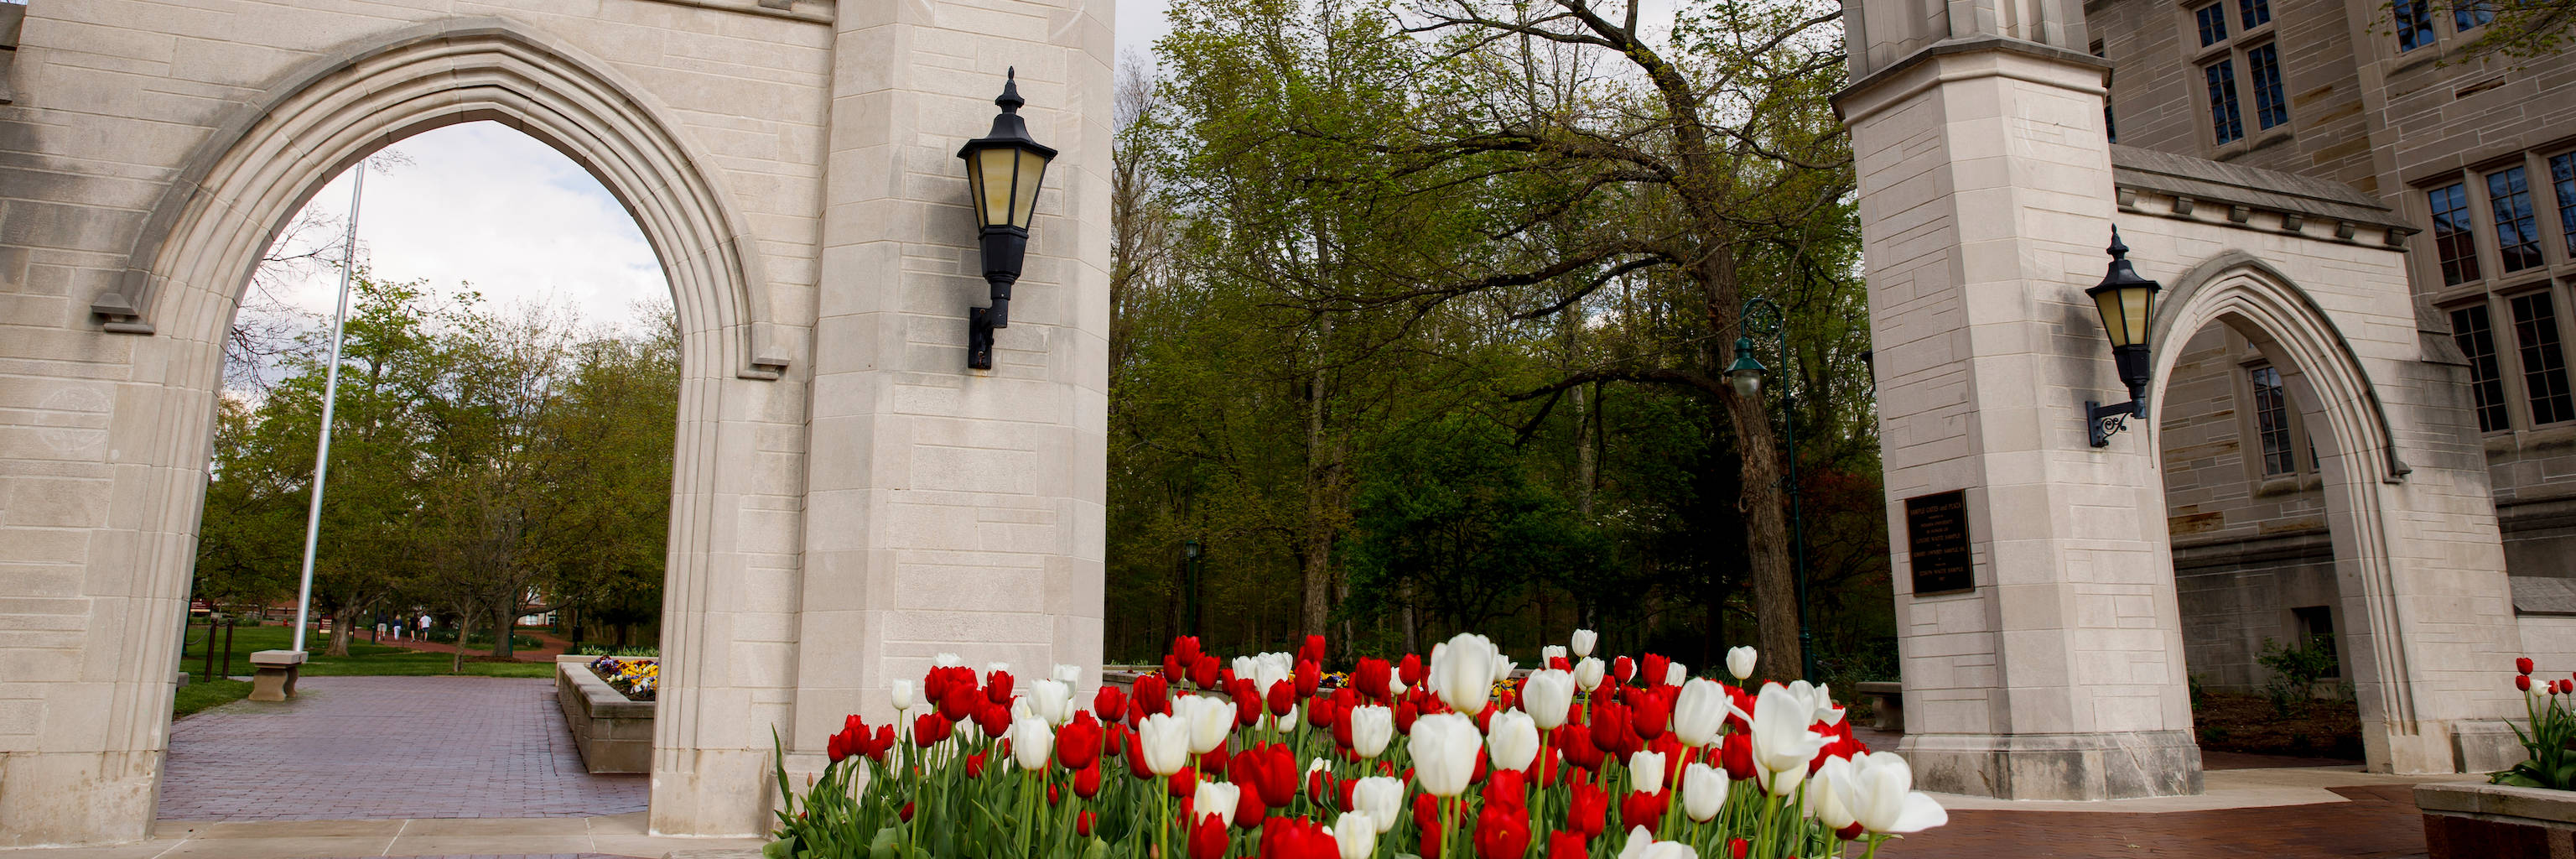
(1643,809)
(1656,668)
(1320,711)
(1623,668)
(1566,845)
(1278,774)
(2522,664)
(1296,838)
(1109,704)
(1426,817)
(997,687)
(1313,651)
(1502,834)
(1507,789)
(1737,847)
(1207,838)
(1153,694)
(1249,809)
(1411,671)
(1310,674)
(906,813)
(1319,786)
(1736,753)
(1611,732)
(2522,682)
(961,702)
(1576,742)
(975,765)
(1184,782)
(1405,713)
(1648,713)
(1077,744)
(1082,823)
(1054,796)
(1086,781)
(1848,833)
(1187,648)
(1587,808)
(995,719)
(929,729)
(1370,678)
(1174,670)
(1282,697)
(1203,672)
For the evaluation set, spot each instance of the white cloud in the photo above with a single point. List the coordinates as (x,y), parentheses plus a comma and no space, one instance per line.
(483,205)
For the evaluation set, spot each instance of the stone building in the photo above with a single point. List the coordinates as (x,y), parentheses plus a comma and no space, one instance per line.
(849,498)
(2322,455)
(2478,160)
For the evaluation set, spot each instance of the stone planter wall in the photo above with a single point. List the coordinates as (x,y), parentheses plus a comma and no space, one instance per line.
(615,735)
(2468,820)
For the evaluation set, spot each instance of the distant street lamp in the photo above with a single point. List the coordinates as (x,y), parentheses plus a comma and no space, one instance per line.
(1003,171)
(2127,304)
(1760,316)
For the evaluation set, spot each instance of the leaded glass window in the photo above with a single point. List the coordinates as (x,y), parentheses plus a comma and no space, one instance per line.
(2475,335)
(2254,13)
(2453,240)
(2226,120)
(2270,108)
(2414,24)
(2517,232)
(2212,20)
(2562,178)
(2544,362)
(2469,15)
(2272,422)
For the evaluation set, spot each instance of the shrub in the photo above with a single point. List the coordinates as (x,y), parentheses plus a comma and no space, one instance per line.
(2295,673)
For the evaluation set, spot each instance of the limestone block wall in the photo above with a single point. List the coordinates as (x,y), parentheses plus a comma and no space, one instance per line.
(2159,94)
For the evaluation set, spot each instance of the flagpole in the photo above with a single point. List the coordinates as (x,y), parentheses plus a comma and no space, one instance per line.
(330,395)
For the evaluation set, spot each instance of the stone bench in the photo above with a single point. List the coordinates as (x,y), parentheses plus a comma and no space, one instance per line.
(275,673)
(2468,819)
(614,733)
(1887,699)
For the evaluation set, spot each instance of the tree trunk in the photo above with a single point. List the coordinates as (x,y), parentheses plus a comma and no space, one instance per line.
(505,621)
(1322,474)
(464,626)
(1760,500)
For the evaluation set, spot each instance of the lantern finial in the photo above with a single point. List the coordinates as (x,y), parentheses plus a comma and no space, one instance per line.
(1010,99)
(2118,250)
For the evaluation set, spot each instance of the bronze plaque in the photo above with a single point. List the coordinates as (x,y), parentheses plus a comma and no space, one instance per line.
(1936,532)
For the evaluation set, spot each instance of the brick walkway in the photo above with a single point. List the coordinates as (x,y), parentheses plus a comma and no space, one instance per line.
(2379,823)
(374,748)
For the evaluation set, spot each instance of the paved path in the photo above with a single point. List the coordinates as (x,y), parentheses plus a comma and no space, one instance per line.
(377,748)
(2377,822)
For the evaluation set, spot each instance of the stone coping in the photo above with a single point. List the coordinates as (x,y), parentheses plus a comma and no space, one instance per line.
(277,658)
(2498,800)
(600,700)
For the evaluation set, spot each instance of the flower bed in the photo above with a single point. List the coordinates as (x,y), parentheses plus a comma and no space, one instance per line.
(1579,759)
(636,678)
(613,730)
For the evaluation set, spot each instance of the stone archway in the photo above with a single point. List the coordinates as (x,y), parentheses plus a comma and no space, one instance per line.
(191,262)
(2354,453)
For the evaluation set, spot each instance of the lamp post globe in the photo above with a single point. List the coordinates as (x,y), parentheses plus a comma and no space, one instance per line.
(1004,169)
(1745,374)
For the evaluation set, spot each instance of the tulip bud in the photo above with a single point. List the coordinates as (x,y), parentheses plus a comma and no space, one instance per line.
(1675,673)
(1699,712)
(1703,791)
(1588,674)
(1512,739)
(1646,772)
(1381,798)
(1583,641)
(1164,741)
(1548,697)
(1444,752)
(1462,672)
(1372,726)
(1218,799)
(1032,743)
(902,694)
(1739,662)
(1355,834)
(1069,675)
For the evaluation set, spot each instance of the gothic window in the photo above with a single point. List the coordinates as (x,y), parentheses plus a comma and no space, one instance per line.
(2544,361)
(2517,233)
(2475,335)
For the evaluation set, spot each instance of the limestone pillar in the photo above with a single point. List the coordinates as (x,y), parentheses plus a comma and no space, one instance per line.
(1986,200)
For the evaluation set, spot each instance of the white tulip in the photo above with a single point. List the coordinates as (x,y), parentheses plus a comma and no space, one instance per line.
(1675,673)
(1583,641)
(1646,772)
(1642,845)
(1217,798)
(1549,697)
(1051,700)
(1285,721)
(1703,791)
(1394,687)
(1462,672)
(1550,654)
(1020,709)
(1511,739)
(1503,668)
(1032,743)
(1381,798)
(1444,752)
(1165,741)
(902,694)
(1782,783)
(1782,740)
(1587,673)
(1829,794)
(1699,712)
(1887,801)
(1071,675)
(1244,667)
(1739,662)
(1372,726)
(1355,834)
(1270,668)
(946,660)
(1211,721)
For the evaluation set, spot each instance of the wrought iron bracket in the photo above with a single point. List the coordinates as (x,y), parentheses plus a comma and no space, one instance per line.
(2102,422)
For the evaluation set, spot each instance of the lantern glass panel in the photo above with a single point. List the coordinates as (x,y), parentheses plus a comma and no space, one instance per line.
(994,206)
(1024,198)
(2124,315)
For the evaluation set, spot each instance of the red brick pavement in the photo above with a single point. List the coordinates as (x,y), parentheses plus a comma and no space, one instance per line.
(374,748)
(2379,823)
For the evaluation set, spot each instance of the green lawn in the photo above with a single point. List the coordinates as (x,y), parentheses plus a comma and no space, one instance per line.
(207,693)
(363,658)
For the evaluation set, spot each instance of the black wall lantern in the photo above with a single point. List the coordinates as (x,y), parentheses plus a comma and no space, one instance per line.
(1003,169)
(2127,304)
